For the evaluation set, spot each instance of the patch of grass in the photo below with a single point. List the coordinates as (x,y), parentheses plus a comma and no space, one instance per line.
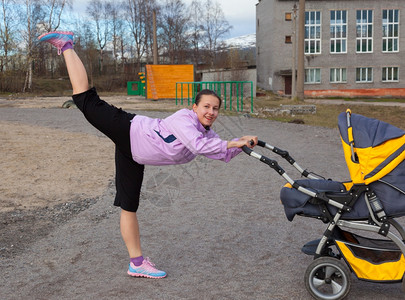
(51,87)
(326,114)
(363,99)
(382,100)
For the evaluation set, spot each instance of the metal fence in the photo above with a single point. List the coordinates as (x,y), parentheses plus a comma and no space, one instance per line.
(232,92)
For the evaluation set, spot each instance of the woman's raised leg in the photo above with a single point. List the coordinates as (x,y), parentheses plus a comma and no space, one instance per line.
(77,72)
(63,41)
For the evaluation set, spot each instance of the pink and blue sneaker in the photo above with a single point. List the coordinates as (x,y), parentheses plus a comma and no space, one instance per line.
(147,269)
(59,39)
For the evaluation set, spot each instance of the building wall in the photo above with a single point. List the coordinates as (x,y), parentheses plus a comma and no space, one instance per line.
(270,27)
(233,75)
(161,80)
(275,57)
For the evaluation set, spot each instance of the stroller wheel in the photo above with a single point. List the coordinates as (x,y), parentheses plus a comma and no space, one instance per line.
(327,278)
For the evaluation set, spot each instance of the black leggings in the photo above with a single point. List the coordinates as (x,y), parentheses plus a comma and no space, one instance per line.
(115,124)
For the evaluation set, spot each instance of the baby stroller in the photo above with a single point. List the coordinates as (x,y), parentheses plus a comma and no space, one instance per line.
(369,203)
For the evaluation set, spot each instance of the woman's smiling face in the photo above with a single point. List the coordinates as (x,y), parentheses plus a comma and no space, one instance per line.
(207,109)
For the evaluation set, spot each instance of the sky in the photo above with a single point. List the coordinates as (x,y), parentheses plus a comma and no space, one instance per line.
(240,14)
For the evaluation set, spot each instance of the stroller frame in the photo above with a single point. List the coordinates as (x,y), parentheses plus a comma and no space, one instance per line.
(320,271)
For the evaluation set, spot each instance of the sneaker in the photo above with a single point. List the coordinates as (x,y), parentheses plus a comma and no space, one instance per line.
(147,269)
(57,38)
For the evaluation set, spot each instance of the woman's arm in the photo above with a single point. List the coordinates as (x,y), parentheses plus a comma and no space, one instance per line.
(243,141)
(185,126)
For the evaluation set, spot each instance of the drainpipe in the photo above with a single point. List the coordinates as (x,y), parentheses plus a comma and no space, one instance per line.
(301,45)
(294,53)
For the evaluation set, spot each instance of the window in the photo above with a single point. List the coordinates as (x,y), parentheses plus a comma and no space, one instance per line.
(390,30)
(364,31)
(312,75)
(338,31)
(288,16)
(338,75)
(390,74)
(364,75)
(288,39)
(312,32)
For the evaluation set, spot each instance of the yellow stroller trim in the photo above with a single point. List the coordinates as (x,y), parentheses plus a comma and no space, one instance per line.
(386,271)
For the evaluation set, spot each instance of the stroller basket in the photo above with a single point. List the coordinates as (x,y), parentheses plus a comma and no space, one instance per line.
(372,259)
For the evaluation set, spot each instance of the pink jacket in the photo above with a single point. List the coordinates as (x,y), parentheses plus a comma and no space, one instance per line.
(176,139)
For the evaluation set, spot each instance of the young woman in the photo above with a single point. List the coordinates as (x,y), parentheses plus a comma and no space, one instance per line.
(140,141)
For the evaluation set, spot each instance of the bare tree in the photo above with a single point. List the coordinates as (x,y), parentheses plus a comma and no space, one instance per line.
(7,29)
(91,51)
(99,10)
(174,29)
(110,25)
(150,7)
(53,10)
(215,28)
(31,17)
(116,25)
(196,29)
(123,46)
(136,20)
(86,47)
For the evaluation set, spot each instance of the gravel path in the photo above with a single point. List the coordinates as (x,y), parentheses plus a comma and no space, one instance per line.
(218,229)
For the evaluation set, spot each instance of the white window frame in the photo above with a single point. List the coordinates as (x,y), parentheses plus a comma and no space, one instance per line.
(338,31)
(338,75)
(391,74)
(312,76)
(364,75)
(313,32)
(364,30)
(390,30)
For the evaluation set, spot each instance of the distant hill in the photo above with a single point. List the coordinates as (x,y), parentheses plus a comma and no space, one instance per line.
(241,42)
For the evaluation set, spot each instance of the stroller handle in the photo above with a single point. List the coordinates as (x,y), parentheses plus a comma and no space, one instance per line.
(274,165)
(284,154)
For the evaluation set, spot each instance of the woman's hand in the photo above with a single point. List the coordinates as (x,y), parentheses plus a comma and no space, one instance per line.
(244,141)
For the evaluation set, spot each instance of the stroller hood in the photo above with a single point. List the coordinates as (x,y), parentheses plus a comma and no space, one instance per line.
(379,147)
(379,150)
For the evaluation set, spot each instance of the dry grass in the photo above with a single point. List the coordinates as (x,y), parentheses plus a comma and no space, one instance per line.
(326,114)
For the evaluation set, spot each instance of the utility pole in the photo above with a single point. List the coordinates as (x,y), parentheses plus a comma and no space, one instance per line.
(294,53)
(155,47)
(301,45)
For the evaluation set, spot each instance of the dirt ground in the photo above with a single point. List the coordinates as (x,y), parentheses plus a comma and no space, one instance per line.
(43,168)
(218,229)
(33,155)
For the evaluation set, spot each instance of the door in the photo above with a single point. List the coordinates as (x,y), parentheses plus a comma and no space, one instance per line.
(287,85)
